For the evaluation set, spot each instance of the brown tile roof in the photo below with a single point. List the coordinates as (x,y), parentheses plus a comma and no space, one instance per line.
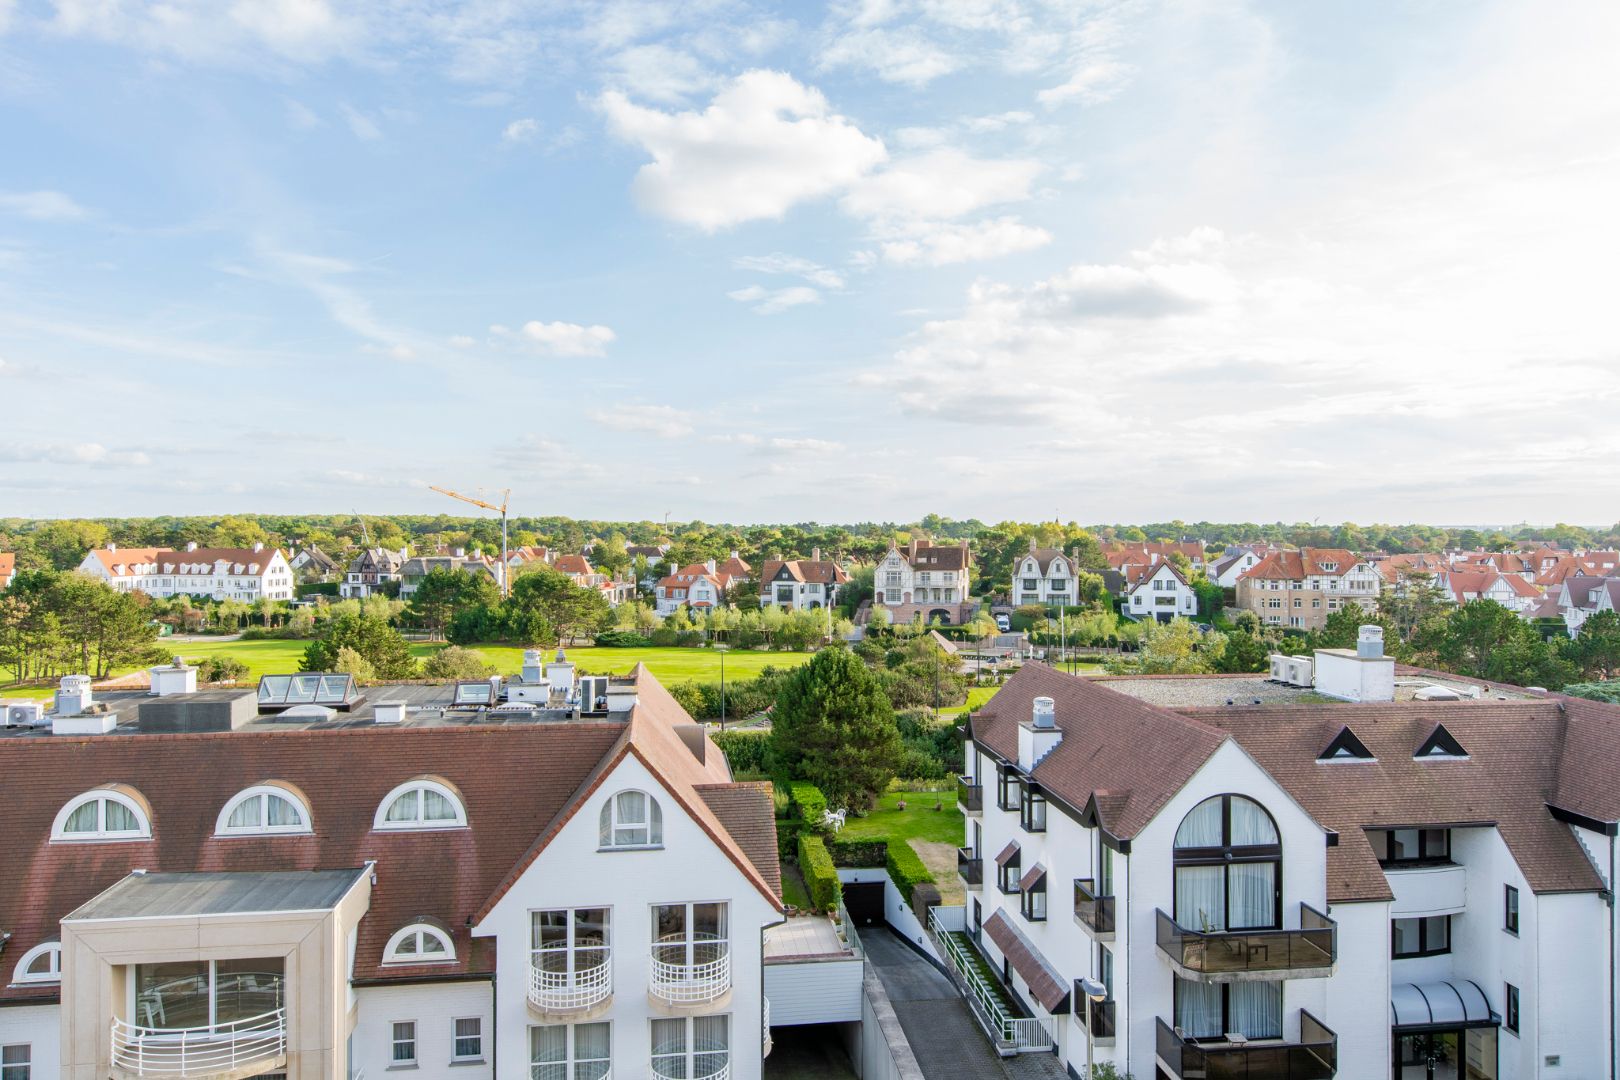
(823,572)
(1137,753)
(1008,853)
(573,565)
(1591,746)
(512,779)
(926,556)
(749,815)
(735,567)
(1304,563)
(1515,767)
(1045,984)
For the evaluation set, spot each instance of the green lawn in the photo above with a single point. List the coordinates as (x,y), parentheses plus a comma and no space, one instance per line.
(794,890)
(978,697)
(918,821)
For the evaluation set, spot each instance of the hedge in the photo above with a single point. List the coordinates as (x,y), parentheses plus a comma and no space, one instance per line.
(820,876)
(906,868)
(788,831)
(811,802)
(858,852)
(744,750)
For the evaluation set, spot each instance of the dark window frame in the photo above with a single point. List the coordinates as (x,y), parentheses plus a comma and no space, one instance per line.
(1510,909)
(1006,780)
(1226,1012)
(1229,854)
(1009,875)
(1026,901)
(1424,949)
(1510,1009)
(1425,857)
(1030,800)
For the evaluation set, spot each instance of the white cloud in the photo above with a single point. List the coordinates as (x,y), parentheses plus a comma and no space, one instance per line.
(83,453)
(775,301)
(364,127)
(302,31)
(763,145)
(660,73)
(300,116)
(568,339)
(778,263)
(462,341)
(42,205)
(997,122)
(896,56)
(944,243)
(943,183)
(1094,83)
(521,130)
(663,421)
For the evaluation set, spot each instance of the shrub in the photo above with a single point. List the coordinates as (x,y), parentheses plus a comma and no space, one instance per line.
(1596,691)
(622,639)
(811,802)
(788,831)
(744,750)
(690,697)
(455,662)
(820,875)
(858,852)
(221,669)
(350,662)
(906,868)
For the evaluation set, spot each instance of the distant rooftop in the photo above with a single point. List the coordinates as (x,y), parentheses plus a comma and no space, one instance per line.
(1209,691)
(155,896)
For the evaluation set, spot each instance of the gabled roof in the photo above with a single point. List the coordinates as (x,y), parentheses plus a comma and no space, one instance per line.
(823,572)
(1304,563)
(1345,747)
(1138,575)
(924,555)
(126,562)
(573,565)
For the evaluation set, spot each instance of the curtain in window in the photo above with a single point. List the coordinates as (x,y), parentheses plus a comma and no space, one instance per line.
(246,815)
(1256,1009)
(669,1048)
(283,812)
(1201,897)
(120,818)
(1198,1010)
(548,1053)
(404,807)
(1201,827)
(1250,824)
(83,819)
(436,807)
(1253,895)
(711,1045)
(604,829)
(593,1051)
(590,938)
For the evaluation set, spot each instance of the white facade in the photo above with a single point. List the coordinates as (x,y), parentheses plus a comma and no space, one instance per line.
(1044,577)
(1163,595)
(258,573)
(1230,571)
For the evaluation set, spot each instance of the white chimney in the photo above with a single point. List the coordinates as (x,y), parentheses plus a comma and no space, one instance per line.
(73,695)
(1037,737)
(531,666)
(112,547)
(258,545)
(175,678)
(1370,642)
(1362,674)
(191,545)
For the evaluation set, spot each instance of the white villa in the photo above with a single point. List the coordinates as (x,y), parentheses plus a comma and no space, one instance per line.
(245,574)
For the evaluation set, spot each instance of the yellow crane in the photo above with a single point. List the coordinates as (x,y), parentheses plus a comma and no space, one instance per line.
(501,509)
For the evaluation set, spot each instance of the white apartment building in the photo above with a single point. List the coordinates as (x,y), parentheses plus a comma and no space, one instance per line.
(924,579)
(1413,889)
(800,584)
(1158,592)
(577,896)
(245,574)
(1044,576)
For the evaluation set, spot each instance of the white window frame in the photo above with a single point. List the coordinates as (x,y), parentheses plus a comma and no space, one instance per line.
(264,793)
(394,1042)
(415,932)
(418,824)
(20,974)
(457,1058)
(571,1060)
(8,1069)
(689,1051)
(610,822)
(143,825)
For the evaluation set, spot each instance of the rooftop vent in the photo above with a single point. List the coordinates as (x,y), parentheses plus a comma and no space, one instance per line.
(1370,642)
(388,712)
(1045,714)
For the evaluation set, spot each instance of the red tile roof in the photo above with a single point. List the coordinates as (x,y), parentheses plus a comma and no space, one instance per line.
(1304,563)
(123,561)
(573,565)
(823,572)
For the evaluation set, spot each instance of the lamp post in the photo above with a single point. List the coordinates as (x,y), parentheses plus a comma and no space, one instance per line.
(720,647)
(1094,991)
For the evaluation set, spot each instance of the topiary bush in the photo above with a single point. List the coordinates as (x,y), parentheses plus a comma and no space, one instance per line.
(744,750)
(811,802)
(858,852)
(820,875)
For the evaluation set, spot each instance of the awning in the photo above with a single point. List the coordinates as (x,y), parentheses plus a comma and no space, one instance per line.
(1034,877)
(1008,854)
(1439,1005)
(1046,986)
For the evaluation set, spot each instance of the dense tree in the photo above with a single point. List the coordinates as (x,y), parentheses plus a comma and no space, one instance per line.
(442,593)
(457,663)
(569,611)
(1596,649)
(834,726)
(370,638)
(1243,653)
(1176,647)
(54,623)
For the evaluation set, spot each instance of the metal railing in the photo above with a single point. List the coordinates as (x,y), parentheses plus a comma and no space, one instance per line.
(1226,952)
(721,1073)
(765,1040)
(969,796)
(1021,1033)
(970,866)
(1314,1057)
(200,1051)
(690,972)
(563,991)
(1095,912)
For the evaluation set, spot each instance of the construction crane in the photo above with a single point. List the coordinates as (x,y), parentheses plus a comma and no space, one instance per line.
(501,509)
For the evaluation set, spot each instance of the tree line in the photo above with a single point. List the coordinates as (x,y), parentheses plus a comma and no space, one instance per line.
(54,623)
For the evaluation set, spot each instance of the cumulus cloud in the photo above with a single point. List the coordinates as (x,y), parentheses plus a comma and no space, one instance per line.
(42,205)
(521,130)
(764,144)
(944,183)
(944,243)
(664,421)
(564,338)
(775,301)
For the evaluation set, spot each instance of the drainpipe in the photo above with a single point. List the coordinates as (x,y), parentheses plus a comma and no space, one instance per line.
(1611,959)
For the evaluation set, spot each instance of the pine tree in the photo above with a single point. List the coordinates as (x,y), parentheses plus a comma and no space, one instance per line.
(834,726)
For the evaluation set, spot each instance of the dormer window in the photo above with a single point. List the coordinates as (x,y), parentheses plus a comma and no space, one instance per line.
(631,819)
(1440,745)
(41,964)
(265,809)
(1330,567)
(420,943)
(102,815)
(1346,747)
(1031,806)
(421,804)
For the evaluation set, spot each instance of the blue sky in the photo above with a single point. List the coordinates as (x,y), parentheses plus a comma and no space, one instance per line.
(752,262)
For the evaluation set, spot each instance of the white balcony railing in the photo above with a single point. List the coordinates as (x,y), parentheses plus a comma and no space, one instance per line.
(765,1029)
(721,1073)
(201,1051)
(567,991)
(691,972)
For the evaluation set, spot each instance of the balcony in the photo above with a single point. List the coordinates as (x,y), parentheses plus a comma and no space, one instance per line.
(1094,912)
(1229,956)
(969,796)
(688,973)
(248,1047)
(723,1072)
(1096,1015)
(1314,1057)
(555,990)
(970,866)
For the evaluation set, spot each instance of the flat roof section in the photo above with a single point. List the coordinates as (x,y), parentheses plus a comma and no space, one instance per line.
(158,896)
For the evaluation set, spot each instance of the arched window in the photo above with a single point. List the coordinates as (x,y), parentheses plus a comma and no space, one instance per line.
(1228,864)
(631,819)
(41,964)
(263,809)
(420,943)
(421,804)
(103,814)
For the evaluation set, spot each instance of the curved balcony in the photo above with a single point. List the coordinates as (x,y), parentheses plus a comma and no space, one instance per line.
(692,972)
(554,989)
(247,1047)
(722,1073)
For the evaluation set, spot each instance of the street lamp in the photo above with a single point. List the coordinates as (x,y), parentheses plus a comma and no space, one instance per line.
(721,647)
(1095,992)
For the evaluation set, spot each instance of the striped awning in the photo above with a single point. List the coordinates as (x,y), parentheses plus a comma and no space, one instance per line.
(1439,1004)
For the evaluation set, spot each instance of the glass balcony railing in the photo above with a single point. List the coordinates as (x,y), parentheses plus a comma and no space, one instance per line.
(1096,1015)
(1314,1057)
(969,796)
(1287,953)
(1095,913)
(970,866)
